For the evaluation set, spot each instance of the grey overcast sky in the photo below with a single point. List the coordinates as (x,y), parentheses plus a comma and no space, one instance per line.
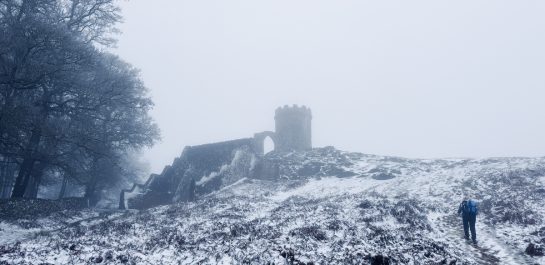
(406,78)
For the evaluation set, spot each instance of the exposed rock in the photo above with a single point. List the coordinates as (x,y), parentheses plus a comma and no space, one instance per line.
(380,260)
(310,231)
(108,255)
(383,176)
(535,250)
(98,259)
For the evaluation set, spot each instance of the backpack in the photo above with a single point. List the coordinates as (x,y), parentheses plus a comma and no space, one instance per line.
(471,208)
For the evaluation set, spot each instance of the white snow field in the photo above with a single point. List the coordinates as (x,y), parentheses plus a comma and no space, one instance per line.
(380,210)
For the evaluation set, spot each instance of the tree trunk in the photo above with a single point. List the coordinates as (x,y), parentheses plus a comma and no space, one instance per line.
(90,191)
(122,200)
(63,187)
(3,176)
(35,181)
(8,175)
(25,170)
(90,188)
(31,151)
(23,177)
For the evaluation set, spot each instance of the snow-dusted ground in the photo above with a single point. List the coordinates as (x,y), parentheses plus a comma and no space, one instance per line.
(384,209)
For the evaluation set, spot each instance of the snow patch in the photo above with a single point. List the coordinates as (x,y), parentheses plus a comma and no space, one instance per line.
(328,186)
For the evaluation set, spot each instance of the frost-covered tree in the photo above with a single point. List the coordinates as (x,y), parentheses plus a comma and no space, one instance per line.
(66,105)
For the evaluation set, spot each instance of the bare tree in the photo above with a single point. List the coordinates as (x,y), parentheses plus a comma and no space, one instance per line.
(65,105)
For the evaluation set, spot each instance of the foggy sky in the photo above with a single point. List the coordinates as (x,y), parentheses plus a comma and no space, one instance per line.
(406,78)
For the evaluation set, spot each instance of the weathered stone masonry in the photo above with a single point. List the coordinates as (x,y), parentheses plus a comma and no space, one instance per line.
(205,168)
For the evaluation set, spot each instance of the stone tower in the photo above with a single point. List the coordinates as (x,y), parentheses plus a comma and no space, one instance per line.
(293,128)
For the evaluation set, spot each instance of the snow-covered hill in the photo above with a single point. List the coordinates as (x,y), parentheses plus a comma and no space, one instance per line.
(327,207)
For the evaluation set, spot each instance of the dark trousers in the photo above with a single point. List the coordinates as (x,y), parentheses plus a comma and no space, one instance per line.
(469,223)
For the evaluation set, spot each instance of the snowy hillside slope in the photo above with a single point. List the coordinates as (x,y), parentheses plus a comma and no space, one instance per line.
(328,207)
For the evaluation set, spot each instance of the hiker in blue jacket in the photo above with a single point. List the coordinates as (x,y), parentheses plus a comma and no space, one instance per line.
(468,209)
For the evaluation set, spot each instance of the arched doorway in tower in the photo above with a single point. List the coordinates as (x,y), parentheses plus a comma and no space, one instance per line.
(264,142)
(268,145)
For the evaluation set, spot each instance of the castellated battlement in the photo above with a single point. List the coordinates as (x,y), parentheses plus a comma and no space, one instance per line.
(293,110)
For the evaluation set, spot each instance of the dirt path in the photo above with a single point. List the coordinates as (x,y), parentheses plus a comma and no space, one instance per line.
(490,248)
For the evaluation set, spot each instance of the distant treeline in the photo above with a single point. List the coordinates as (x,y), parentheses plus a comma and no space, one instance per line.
(70,112)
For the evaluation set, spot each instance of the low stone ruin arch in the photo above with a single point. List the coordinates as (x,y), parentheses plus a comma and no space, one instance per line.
(259,141)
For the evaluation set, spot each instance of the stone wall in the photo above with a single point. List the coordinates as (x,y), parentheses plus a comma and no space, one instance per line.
(178,181)
(204,168)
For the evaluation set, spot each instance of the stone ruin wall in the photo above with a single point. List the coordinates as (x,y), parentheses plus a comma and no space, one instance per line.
(177,182)
(204,168)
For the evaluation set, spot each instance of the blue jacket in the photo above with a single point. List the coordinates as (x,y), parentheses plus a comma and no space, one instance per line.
(466,208)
